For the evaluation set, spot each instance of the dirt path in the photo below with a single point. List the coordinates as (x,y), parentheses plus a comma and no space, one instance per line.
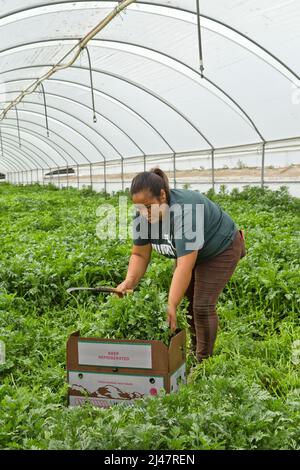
(286,173)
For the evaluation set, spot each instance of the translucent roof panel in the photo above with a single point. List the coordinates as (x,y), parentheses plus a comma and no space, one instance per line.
(149,94)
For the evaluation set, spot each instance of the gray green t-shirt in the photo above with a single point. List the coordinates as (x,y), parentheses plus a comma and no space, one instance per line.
(193,222)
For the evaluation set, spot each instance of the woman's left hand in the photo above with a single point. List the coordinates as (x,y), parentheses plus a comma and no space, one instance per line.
(171,317)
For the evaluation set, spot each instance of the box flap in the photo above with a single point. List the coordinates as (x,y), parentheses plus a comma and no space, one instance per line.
(177,351)
(93,353)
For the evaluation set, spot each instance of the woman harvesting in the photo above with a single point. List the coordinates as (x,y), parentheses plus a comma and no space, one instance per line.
(202,238)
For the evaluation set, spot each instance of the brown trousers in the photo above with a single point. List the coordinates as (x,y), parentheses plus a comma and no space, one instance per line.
(208,280)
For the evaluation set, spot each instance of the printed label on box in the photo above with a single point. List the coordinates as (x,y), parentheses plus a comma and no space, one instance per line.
(121,387)
(101,403)
(179,377)
(109,354)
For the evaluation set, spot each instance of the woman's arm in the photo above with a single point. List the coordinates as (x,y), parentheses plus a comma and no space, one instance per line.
(180,282)
(138,263)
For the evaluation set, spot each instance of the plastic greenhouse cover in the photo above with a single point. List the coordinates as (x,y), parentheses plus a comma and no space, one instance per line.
(149,95)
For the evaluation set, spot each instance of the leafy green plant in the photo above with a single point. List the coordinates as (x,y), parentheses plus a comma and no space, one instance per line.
(246,396)
(141,315)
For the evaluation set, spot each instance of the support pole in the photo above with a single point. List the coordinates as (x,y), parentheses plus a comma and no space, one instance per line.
(263,165)
(91,175)
(58,178)
(122,173)
(213,168)
(78,182)
(67,176)
(104,174)
(174,170)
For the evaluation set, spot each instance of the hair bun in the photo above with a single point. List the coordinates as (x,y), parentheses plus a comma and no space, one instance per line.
(154,181)
(158,172)
(163,175)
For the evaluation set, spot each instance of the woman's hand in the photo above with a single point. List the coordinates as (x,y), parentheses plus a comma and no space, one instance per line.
(123,287)
(171,317)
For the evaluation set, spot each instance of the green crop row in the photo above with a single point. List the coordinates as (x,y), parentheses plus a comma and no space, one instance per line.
(247,396)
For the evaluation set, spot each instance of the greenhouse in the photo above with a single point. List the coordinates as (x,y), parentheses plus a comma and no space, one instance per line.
(155,103)
(189,84)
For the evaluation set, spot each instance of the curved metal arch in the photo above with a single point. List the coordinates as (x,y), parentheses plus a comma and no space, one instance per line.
(37,169)
(230,28)
(154,95)
(11,166)
(225,93)
(12,147)
(60,110)
(74,117)
(93,145)
(102,116)
(47,142)
(173,59)
(70,127)
(23,158)
(12,141)
(16,161)
(34,152)
(55,133)
(101,93)
(55,95)
(170,7)
(38,149)
(43,138)
(144,89)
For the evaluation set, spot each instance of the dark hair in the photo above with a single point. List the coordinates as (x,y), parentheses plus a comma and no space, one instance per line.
(154,181)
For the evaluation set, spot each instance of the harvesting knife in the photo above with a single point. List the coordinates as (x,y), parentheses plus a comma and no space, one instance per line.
(97,289)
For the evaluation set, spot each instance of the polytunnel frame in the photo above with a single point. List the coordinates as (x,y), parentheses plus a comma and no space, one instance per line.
(71,127)
(42,137)
(197,13)
(170,7)
(123,104)
(153,95)
(62,97)
(10,138)
(28,141)
(173,59)
(11,152)
(76,118)
(48,142)
(84,137)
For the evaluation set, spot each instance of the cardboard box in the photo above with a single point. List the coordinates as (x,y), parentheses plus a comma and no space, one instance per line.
(107,371)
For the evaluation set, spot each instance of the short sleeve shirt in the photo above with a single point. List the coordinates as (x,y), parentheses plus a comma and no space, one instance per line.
(193,222)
